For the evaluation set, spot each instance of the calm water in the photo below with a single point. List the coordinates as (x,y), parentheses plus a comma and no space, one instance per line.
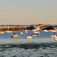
(23,36)
(43,37)
(21,47)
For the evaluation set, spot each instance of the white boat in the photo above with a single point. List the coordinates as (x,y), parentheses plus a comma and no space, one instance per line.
(14,35)
(29,37)
(37,32)
(34,35)
(9,31)
(45,30)
(1,32)
(55,38)
(26,31)
(52,35)
(34,30)
(52,30)
(21,32)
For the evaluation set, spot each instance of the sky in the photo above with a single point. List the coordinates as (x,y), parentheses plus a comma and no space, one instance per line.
(26,12)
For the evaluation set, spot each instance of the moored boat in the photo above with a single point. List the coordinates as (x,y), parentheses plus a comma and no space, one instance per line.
(9,31)
(1,32)
(37,32)
(55,38)
(45,30)
(52,30)
(33,35)
(13,35)
(21,33)
(29,37)
(26,31)
(52,35)
(34,30)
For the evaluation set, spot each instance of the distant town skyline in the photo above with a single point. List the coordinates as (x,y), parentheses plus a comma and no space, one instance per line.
(26,12)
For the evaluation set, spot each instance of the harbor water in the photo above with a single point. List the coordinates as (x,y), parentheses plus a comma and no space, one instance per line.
(43,37)
(41,45)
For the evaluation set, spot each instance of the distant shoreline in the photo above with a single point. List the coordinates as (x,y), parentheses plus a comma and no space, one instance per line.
(23,27)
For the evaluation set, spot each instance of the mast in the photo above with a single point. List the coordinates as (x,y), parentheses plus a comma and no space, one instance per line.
(8,27)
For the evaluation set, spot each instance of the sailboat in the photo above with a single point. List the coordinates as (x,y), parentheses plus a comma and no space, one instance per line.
(26,31)
(8,30)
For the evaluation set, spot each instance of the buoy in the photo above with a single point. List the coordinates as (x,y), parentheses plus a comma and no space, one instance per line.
(54,32)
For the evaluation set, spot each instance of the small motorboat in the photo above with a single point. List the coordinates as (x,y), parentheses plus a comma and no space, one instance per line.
(37,32)
(9,31)
(26,31)
(29,37)
(52,35)
(45,30)
(34,30)
(1,32)
(34,35)
(52,30)
(13,35)
(55,38)
(21,32)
